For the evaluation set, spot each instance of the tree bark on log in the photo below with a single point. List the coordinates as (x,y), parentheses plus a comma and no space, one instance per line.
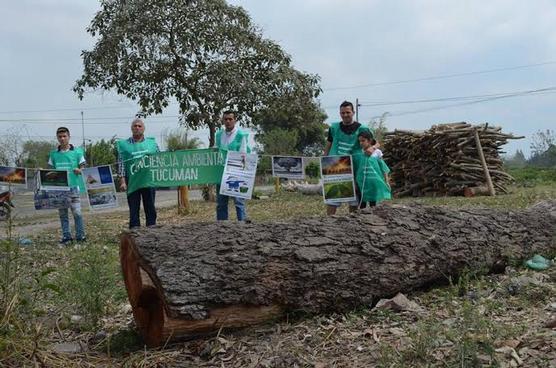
(193,279)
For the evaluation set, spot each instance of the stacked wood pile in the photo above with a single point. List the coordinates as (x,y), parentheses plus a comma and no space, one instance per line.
(446,160)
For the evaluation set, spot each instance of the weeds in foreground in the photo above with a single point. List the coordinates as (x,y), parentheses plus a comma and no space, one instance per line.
(91,284)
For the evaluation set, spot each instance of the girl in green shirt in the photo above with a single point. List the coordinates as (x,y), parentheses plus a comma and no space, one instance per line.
(371,174)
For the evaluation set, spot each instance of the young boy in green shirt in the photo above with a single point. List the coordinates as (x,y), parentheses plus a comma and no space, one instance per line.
(70,158)
(371,174)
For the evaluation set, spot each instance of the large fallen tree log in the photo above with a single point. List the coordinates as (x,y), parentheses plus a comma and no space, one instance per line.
(194,279)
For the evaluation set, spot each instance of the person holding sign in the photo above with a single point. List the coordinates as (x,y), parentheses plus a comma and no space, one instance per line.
(69,158)
(342,140)
(129,149)
(371,174)
(231,138)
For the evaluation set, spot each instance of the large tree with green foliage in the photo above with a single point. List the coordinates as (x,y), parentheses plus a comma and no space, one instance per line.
(179,139)
(102,152)
(543,149)
(205,54)
(35,153)
(279,142)
(296,111)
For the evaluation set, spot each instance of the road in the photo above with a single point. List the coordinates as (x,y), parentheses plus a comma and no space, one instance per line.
(25,208)
(29,221)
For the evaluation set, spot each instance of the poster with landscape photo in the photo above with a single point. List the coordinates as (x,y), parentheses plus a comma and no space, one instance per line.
(49,199)
(337,179)
(101,190)
(289,167)
(13,175)
(54,180)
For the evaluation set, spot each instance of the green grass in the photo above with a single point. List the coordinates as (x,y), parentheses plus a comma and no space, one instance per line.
(43,286)
(530,176)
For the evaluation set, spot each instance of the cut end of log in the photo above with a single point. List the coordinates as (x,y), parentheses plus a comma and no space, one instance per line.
(154,322)
(482,190)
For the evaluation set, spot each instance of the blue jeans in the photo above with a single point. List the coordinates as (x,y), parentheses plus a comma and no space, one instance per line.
(134,203)
(75,205)
(222,207)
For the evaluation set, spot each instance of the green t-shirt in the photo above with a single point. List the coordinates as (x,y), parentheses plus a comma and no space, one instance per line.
(69,160)
(342,143)
(129,151)
(369,176)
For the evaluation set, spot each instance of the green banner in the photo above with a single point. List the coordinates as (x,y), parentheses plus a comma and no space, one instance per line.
(169,169)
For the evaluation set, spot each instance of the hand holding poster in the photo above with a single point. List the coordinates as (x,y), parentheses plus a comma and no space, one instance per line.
(288,167)
(100,187)
(238,179)
(337,179)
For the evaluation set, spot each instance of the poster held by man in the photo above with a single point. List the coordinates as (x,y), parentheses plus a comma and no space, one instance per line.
(337,179)
(238,179)
(101,190)
(54,180)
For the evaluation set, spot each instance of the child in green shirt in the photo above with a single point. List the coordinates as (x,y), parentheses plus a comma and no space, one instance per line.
(371,174)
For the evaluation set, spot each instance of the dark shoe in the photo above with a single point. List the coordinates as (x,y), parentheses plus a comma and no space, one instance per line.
(65,241)
(81,240)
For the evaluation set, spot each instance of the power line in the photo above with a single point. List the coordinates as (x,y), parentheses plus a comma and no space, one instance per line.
(442,76)
(457,98)
(126,120)
(537,92)
(67,109)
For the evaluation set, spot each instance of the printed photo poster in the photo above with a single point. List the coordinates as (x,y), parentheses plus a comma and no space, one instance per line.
(13,175)
(49,199)
(101,190)
(238,178)
(54,180)
(288,167)
(337,179)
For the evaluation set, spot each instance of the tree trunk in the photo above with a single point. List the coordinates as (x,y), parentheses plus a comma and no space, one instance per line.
(212,133)
(192,279)
(183,200)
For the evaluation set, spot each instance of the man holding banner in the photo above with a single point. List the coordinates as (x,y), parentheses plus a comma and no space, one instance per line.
(343,141)
(231,138)
(129,149)
(69,158)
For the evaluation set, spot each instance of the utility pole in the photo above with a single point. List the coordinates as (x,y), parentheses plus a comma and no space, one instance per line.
(83,129)
(357,109)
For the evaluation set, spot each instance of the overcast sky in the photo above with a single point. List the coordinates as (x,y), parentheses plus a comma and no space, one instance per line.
(386,53)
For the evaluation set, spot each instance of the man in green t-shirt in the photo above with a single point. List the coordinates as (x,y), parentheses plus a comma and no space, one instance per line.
(231,138)
(70,158)
(342,141)
(129,149)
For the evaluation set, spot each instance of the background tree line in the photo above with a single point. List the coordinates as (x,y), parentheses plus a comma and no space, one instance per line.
(543,152)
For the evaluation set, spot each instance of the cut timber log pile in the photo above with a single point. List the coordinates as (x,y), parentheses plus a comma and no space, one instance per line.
(446,160)
(193,279)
